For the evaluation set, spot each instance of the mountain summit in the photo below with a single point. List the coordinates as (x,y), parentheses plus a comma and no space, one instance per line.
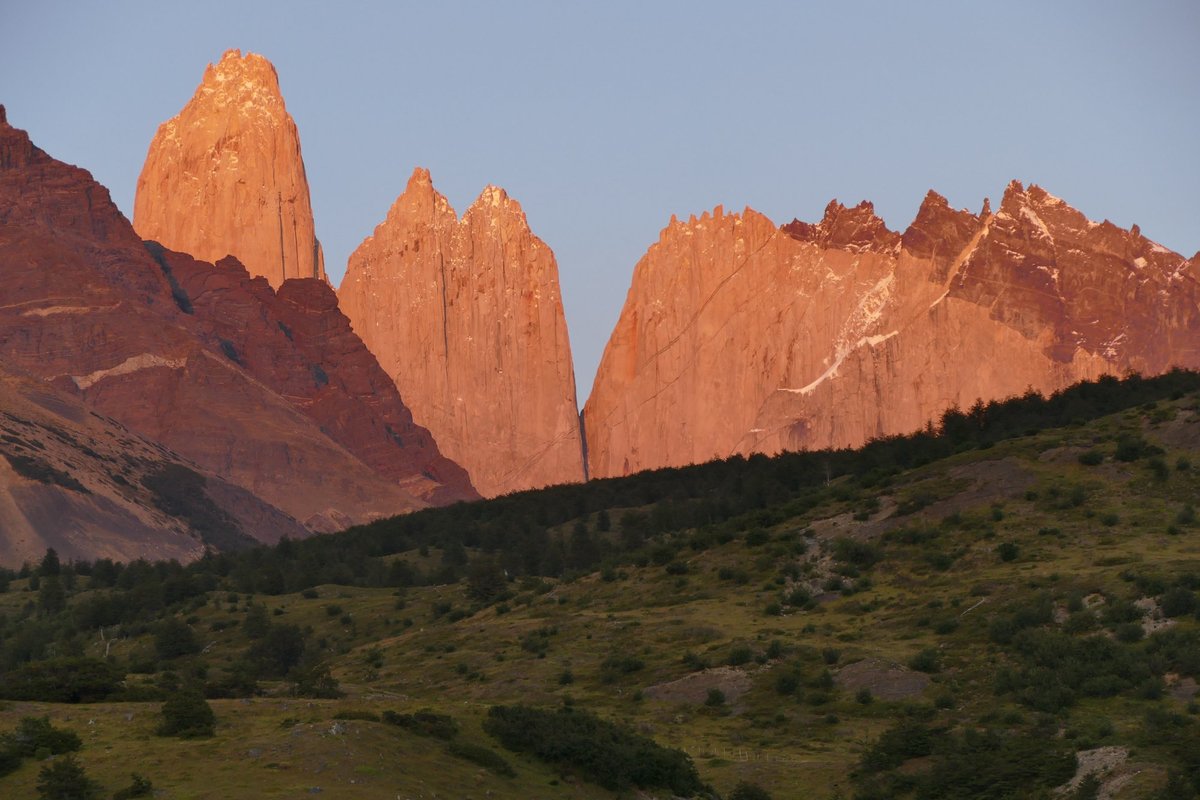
(225,176)
(739,336)
(467,318)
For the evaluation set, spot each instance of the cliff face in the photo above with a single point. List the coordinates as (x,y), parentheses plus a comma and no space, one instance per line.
(296,341)
(90,488)
(466,316)
(269,391)
(739,336)
(225,177)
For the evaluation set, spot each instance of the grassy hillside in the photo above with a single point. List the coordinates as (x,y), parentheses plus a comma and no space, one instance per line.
(992,612)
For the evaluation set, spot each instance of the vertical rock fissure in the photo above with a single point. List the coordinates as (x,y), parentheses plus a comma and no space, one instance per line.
(445,323)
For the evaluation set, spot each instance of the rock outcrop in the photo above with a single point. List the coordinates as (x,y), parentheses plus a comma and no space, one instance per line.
(269,391)
(225,176)
(80,482)
(739,336)
(296,341)
(466,316)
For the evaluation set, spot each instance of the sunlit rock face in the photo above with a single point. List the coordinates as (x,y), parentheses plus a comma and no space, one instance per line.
(466,316)
(739,336)
(268,390)
(225,177)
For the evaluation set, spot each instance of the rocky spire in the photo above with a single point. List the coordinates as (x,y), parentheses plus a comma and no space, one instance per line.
(466,316)
(225,176)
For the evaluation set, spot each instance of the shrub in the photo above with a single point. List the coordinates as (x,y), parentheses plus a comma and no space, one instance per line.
(315,681)
(615,666)
(787,683)
(478,754)
(424,723)
(61,680)
(925,661)
(861,554)
(606,754)
(1091,458)
(138,787)
(34,734)
(364,716)
(749,791)
(1130,632)
(279,650)
(1008,551)
(187,715)
(907,739)
(1130,447)
(740,655)
(715,698)
(174,638)
(64,779)
(1177,602)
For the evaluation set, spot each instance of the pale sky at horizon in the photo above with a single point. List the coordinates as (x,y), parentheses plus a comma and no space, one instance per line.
(603,120)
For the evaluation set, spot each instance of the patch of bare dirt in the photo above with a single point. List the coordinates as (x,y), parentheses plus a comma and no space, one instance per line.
(1105,763)
(886,680)
(694,688)
(991,481)
(1181,433)
(1183,689)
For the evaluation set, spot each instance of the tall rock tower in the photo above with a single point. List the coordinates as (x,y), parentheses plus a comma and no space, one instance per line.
(740,336)
(225,176)
(467,318)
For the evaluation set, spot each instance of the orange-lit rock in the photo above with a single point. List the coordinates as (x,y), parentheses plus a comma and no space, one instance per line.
(466,317)
(739,336)
(225,176)
(269,391)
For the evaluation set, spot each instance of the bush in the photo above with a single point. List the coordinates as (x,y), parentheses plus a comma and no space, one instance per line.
(1091,458)
(64,779)
(749,791)
(1008,551)
(1130,632)
(787,683)
(478,754)
(138,787)
(925,661)
(907,739)
(36,734)
(61,680)
(424,723)
(606,754)
(280,649)
(187,715)
(1130,447)
(315,681)
(174,638)
(740,655)
(1178,602)
(861,554)
(615,666)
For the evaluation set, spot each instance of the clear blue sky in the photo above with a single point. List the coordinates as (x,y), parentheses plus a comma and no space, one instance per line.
(605,118)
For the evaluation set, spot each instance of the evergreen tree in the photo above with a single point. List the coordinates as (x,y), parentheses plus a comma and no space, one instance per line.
(64,779)
(187,715)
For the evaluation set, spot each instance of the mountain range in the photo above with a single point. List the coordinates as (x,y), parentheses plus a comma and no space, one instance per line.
(200,351)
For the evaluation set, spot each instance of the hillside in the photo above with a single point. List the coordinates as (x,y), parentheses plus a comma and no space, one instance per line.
(987,611)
